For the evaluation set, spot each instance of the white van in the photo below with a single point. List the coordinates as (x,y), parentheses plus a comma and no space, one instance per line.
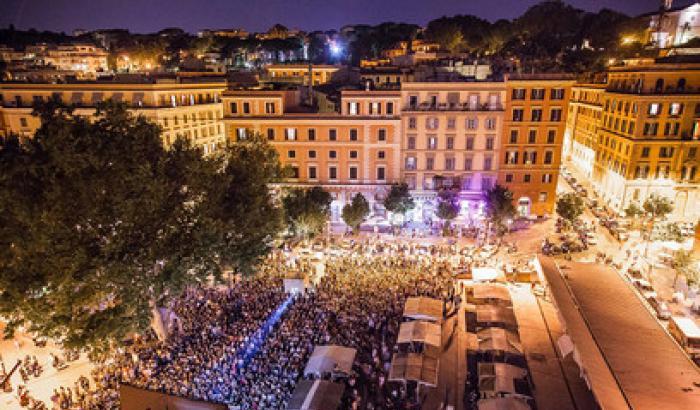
(687,334)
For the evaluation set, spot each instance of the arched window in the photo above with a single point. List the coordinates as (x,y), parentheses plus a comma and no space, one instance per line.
(681,84)
(659,85)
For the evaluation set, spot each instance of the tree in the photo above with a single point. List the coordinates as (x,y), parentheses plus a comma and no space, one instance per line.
(570,207)
(307,210)
(634,212)
(399,200)
(684,264)
(499,208)
(355,212)
(99,225)
(447,207)
(657,207)
(244,208)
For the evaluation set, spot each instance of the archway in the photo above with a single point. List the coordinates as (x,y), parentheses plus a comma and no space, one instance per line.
(523,206)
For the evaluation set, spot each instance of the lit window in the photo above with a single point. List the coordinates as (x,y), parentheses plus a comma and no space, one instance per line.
(654,108)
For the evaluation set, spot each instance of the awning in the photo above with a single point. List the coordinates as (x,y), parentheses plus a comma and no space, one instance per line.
(503,403)
(495,314)
(495,339)
(422,308)
(491,291)
(326,359)
(499,378)
(316,395)
(420,331)
(415,367)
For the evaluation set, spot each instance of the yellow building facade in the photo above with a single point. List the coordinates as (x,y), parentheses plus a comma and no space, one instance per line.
(299,73)
(648,137)
(354,150)
(535,121)
(182,107)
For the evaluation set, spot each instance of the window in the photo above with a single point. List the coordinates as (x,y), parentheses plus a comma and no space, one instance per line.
(542,197)
(411,142)
(269,108)
(234,108)
(551,136)
(246,108)
(518,114)
(312,173)
(23,122)
(511,157)
(412,123)
(675,109)
(381,173)
(353,134)
(468,163)
(691,152)
(353,108)
(530,157)
(532,137)
(555,114)
(490,123)
(381,154)
(429,163)
(509,177)
(527,178)
(290,134)
(672,128)
(332,134)
(270,134)
(536,115)
(537,94)
(332,173)
(451,123)
(666,152)
(472,123)
(410,163)
(311,134)
(489,143)
(375,108)
(548,157)
(431,123)
(295,172)
(487,163)
(240,133)
(432,142)
(650,128)
(413,101)
(291,154)
(470,143)
(654,109)
(332,154)
(449,164)
(518,93)
(312,153)
(645,152)
(556,94)
(513,136)
(450,142)
(390,108)
(353,154)
(546,178)
(381,134)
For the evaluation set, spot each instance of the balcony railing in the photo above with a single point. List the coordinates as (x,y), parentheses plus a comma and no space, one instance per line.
(453,107)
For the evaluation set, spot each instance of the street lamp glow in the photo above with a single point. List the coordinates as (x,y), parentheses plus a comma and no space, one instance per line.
(336,49)
(628,40)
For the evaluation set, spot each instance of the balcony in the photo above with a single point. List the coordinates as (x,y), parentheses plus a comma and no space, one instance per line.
(452,107)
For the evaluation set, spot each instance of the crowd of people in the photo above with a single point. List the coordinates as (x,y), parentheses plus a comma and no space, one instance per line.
(220,351)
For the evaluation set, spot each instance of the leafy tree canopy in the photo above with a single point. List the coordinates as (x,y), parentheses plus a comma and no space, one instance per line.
(499,207)
(307,210)
(570,206)
(356,211)
(399,199)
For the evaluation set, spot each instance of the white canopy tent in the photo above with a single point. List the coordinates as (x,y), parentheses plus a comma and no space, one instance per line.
(420,331)
(497,379)
(423,308)
(295,285)
(316,395)
(495,339)
(331,358)
(495,314)
(486,274)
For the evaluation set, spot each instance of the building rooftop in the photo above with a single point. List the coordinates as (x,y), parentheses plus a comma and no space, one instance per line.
(628,357)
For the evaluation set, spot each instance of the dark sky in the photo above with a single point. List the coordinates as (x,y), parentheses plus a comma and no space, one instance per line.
(259,15)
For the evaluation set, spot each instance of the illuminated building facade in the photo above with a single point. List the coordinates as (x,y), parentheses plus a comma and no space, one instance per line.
(647,136)
(675,25)
(355,149)
(187,107)
(533,133)
(581,135)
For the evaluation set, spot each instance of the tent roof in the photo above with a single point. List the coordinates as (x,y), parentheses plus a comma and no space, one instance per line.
(420,331)
(500,370)
(484,274)
(491,291)
(326,359)
(414,367)
(503,403)
(488,313)
(494,338)
(422,308)
(316,395)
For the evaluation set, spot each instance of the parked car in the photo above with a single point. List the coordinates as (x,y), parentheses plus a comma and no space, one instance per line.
(660,308)
(634,273)
(645,288)
(591,238)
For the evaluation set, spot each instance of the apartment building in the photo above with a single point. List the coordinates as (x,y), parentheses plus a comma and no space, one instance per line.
(648,136)
(451,136)
(355,149)
(581,135)
(299,73)
(534,125)
(188,107)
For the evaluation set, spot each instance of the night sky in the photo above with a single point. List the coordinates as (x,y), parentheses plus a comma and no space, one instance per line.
(258,15)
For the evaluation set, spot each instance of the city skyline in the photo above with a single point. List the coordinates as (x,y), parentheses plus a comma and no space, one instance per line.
(308,15)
